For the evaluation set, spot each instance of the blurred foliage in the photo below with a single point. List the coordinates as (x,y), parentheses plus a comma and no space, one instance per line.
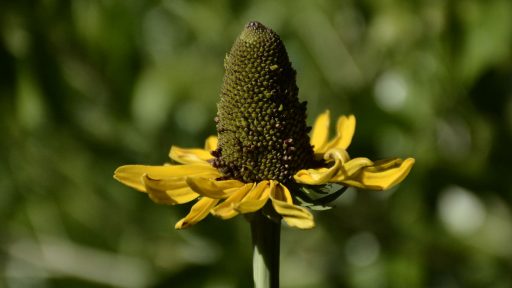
(87,86)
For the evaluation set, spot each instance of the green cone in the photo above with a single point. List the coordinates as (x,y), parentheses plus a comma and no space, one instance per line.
(260,122)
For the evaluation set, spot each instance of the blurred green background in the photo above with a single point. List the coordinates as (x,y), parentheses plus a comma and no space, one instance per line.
(87,86)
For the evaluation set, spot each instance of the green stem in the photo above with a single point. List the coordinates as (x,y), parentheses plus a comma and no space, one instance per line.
(266,240)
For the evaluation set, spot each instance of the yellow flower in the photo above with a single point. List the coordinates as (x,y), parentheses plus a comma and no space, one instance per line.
(262,148)
(195,178)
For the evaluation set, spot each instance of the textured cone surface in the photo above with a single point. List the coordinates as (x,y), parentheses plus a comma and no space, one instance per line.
(260,122)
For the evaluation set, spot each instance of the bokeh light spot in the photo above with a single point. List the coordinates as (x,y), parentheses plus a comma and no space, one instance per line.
(390,91)
(461,212)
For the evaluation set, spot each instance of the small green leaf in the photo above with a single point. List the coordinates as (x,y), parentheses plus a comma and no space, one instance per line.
(316,197)
(320,207)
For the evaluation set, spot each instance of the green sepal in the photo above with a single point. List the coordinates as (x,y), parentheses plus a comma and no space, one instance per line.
(316,197)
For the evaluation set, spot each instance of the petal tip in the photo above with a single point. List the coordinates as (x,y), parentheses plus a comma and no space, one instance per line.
(181,225)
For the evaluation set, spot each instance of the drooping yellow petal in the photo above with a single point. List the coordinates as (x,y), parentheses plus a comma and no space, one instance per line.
(170,183)
(189,156)
(250,206)
(212,188)
(358,172)
(282,193)
(198,212)
(294,216)
(225,210)
(320,132)
(317,176)
(382,175)
(256,198)
(322,175)
(211,143)
(131,175)
(345,129)
(337,154)
(169,191)
(350,168)
(172,197)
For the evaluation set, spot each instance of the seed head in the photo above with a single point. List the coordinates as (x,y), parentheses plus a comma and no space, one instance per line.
(260,122)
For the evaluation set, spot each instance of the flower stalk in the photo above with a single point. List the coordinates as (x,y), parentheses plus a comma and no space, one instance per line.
(266,235)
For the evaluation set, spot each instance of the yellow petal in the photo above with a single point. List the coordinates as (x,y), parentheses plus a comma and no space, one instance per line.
(282,193)
(320,132)
(170,183)
(256,198)
(294,216)
(211,143)
(131,175)
(189,156)
(317,176)
(382,175)
(172,197)
(225,210)
(350,168)
(198,212)
(169,191)
(337,154)
(345,129)
(212,188)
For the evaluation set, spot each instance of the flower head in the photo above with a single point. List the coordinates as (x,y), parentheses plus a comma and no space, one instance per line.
(263,158)
(260,122)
